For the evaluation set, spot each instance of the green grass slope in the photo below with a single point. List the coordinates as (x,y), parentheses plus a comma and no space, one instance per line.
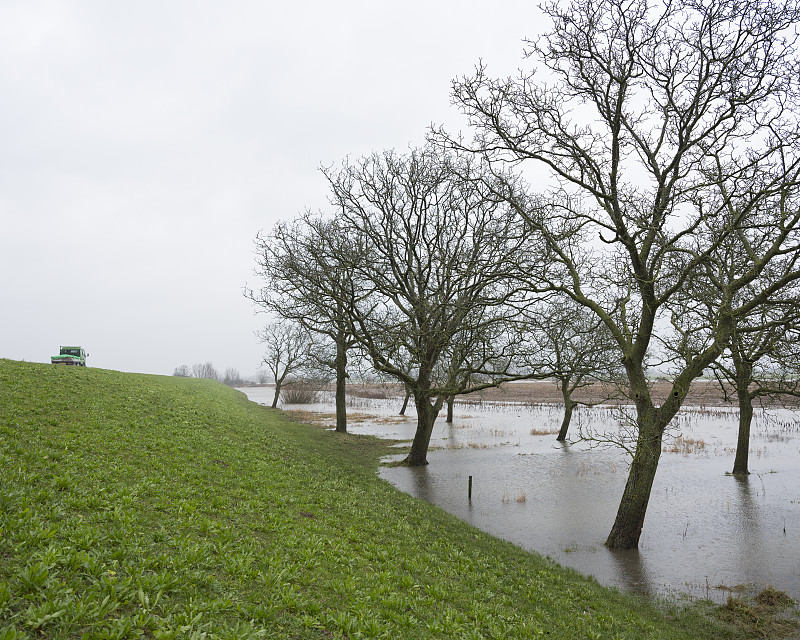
(157,507)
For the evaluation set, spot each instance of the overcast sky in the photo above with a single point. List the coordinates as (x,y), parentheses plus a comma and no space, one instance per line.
(144,144)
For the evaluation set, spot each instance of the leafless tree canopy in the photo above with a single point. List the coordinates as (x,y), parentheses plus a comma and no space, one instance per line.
(305,279)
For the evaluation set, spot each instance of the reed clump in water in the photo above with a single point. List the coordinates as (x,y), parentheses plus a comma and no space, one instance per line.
(685,446)
(764,617)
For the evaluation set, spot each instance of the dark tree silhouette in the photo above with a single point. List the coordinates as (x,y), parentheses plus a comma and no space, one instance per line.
(306,267)
(440,252)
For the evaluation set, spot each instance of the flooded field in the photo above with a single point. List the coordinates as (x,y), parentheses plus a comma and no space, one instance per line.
(706,532)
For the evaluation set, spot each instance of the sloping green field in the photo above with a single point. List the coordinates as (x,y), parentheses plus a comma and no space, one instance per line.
(148,506)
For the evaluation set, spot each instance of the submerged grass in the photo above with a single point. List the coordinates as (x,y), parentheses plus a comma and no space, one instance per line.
(157,507)
(764,616)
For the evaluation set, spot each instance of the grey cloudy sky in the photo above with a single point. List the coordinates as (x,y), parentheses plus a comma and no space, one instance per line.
(144,144)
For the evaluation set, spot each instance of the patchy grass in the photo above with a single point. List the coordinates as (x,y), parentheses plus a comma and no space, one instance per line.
(685,446)
(544,432)
(323,419)
(156,507)
(519,496)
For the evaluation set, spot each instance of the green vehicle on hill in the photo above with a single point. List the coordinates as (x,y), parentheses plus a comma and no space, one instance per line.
(75,356)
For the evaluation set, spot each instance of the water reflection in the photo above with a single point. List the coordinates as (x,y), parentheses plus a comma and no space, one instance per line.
(632,572)
(746,535)
(704,528)
(421,483)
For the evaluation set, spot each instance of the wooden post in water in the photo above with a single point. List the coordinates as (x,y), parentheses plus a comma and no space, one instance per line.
(469,492)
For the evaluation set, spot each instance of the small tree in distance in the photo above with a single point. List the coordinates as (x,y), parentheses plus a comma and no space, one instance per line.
(761,362)
(205,370)
(287,346)
(231,377)
(182,371)
(567,342)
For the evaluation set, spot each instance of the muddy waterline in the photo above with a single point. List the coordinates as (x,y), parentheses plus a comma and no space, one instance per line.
(706,532)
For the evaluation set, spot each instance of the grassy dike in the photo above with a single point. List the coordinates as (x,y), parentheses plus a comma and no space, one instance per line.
(149,506)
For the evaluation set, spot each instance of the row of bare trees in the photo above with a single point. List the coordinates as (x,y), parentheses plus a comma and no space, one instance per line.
(422,275)
(231,377)
(630,203)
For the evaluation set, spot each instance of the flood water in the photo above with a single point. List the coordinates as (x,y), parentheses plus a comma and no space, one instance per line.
(705,533)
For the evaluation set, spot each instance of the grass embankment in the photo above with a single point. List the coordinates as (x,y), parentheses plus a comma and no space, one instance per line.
(135,505)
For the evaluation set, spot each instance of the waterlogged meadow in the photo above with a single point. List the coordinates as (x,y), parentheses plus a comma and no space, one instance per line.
(139,506)
(707,534)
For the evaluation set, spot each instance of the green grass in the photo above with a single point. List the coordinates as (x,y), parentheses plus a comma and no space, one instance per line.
(157,507)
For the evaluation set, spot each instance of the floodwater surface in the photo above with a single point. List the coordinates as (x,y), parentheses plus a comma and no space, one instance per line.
(706,532)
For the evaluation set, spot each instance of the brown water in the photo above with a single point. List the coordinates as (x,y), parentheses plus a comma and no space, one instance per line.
(705,531)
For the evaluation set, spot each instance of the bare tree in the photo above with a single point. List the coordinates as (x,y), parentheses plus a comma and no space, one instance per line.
(182,371)
(231,377)
(440,253)
(305,266)
(763,362)
(568,342)
(762,358)
(656,120)
(205,370)
(464,361)
(287,346)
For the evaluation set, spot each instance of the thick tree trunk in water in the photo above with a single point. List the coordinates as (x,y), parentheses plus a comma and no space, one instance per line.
(627,527)
(451,400)
(740,463)
(341,378)
(405,403)
(426,416)
(568,407)
(277,395)
(744,374)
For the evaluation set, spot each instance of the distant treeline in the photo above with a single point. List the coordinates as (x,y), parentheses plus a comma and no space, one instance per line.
(231,377)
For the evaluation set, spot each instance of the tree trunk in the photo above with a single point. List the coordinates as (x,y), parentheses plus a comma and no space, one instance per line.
(426,416)
(743,369)
(405,402)
(451,400)
(277,395)
(341,388)
(569,405)
(743,443)
(628,524)
(278,385)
